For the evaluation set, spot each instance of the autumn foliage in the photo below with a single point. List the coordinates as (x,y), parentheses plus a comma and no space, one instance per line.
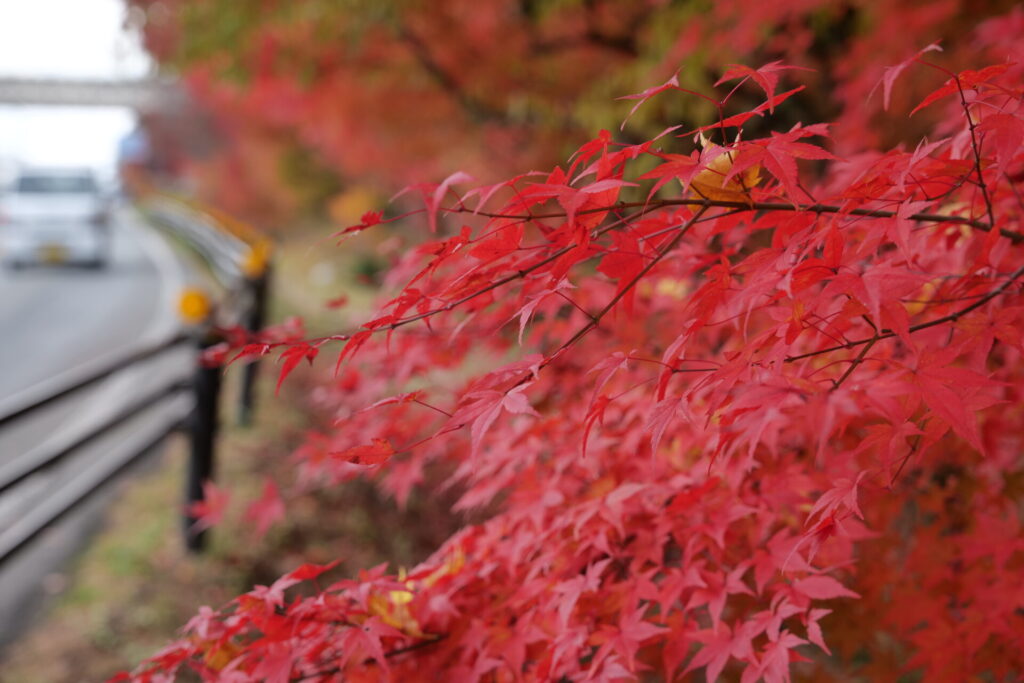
(736,408)
(391,92)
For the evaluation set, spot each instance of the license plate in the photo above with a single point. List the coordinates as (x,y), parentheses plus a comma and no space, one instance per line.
(53,253)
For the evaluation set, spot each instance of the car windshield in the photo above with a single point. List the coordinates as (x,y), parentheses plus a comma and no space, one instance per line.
(56,184)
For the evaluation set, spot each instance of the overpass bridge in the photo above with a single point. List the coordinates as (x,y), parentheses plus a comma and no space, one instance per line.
(144,95)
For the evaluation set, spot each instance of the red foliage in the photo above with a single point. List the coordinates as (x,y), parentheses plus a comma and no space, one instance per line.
(761,422)
(393,92)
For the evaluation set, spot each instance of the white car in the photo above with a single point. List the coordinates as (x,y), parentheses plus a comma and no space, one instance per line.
(53,216)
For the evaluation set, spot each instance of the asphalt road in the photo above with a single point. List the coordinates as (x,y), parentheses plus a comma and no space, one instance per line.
(52,320)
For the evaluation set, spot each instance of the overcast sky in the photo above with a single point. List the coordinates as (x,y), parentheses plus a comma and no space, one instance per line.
(65,39)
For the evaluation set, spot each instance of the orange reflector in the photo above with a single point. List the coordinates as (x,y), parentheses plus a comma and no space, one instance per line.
(255,261)
(193,306)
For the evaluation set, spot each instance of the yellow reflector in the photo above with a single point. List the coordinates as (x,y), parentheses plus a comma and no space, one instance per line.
(193,306)
(255,261)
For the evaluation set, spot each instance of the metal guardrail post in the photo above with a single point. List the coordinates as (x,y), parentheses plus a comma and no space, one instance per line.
(238,257)
(202,435)
(256,318)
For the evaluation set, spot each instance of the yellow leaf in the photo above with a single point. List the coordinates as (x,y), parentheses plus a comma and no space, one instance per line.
(393,610)
(710,183)
(220,655)
(924,294)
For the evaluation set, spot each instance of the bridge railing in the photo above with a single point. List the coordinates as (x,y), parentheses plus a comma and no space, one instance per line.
(146,94)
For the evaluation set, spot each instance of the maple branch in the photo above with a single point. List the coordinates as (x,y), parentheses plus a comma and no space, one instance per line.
(596,319)
(953,187)
(821,331)
(390,653)
(886,334)
(853,365)
(933,302)
(976,148)
(519,274)
(415,646)
(478,110)
(647,207)
(704,204)
(906,458)
(659,233)
(575,305)
(427,405)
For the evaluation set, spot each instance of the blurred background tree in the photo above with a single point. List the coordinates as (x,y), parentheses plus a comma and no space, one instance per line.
(315,95)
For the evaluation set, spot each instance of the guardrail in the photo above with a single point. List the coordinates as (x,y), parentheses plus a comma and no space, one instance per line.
(51,454)
(184,397)
(236,256)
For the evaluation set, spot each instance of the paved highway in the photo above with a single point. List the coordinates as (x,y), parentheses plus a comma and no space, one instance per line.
(52,320)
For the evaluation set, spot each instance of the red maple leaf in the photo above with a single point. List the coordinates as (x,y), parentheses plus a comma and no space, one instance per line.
(376,453)
(267,510)
(209,511)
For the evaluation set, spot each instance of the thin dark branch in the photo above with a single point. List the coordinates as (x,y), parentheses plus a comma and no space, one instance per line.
(477,110)
(886,334)
(519,274)
(1014,237)
(427,405)
(415,646)
(596,319)
(853,365)
(390,653)
(823,332)
(906,458)
(977,154)
(575,305)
